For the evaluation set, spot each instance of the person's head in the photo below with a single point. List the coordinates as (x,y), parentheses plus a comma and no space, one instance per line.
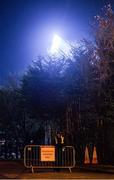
(58,134)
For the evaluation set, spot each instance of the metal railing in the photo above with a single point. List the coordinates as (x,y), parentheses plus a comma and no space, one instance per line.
(38,156)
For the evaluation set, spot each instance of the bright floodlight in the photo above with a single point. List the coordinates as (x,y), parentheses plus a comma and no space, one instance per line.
(56,43)
(59,46)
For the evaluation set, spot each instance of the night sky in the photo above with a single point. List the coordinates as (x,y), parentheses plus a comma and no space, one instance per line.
(27,28)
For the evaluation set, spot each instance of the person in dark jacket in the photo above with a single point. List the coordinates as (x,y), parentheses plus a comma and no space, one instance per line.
(59,143)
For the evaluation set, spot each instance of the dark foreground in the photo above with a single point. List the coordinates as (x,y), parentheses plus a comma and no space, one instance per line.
(16,170)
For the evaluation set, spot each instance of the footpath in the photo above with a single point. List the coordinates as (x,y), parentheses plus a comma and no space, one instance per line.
(19,165)
(97,168)
(16,170)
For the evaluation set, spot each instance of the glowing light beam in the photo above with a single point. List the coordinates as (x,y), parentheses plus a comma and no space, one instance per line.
(59,46)
(56,43)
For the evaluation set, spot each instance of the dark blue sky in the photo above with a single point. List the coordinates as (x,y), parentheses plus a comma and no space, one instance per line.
(27,27)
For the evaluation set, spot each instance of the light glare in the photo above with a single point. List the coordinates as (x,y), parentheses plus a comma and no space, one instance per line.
(59,46)
(55,44)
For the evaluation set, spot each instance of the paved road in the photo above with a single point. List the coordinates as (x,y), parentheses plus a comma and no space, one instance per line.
(67,175)
(60,175)
(16,170)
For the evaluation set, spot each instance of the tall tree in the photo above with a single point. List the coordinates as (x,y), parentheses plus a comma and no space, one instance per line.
(43,90)
(104,38)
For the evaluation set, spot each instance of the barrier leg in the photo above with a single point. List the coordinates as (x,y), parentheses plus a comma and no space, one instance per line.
(70,170)
(32,169)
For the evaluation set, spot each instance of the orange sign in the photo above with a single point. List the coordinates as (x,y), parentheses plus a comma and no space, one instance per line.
(47,153)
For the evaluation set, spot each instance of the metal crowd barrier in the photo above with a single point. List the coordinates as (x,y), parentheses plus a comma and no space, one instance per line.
(47,156)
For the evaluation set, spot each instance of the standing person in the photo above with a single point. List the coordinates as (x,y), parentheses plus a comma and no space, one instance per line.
(59,142)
